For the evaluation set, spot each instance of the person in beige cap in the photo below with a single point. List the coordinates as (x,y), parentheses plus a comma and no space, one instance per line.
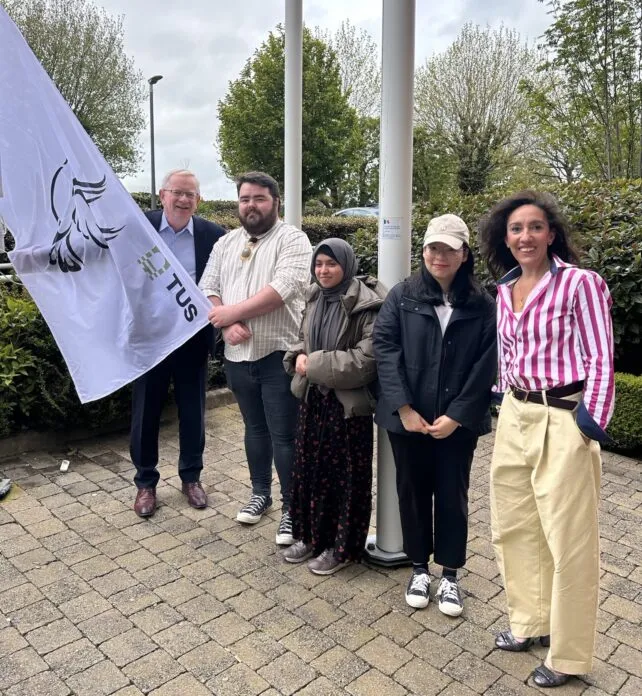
(436,352)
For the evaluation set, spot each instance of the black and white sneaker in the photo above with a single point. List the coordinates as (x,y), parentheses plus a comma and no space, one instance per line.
(449,596)
(256,507)
(418,590)
(284,534)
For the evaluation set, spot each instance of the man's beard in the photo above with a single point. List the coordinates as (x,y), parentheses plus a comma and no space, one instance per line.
(260,223)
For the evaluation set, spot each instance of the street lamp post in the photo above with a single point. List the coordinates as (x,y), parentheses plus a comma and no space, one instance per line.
(152,81)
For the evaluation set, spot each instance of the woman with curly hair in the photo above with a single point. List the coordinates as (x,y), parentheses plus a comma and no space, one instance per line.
(555,343)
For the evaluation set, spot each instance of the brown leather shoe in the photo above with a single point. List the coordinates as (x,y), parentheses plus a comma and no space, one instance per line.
(145,505)
(196,496)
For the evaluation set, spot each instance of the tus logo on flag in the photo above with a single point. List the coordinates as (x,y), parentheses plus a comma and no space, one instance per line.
(148,261)
(84,250)
(176,286)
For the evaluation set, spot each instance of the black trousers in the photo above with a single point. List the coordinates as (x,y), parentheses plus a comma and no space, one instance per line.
(187,366)
(433,477)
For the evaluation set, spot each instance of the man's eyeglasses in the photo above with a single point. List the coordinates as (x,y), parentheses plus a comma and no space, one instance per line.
(190,195)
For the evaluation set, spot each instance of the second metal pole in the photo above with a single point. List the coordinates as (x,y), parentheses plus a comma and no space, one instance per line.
(293,110)
(395,205)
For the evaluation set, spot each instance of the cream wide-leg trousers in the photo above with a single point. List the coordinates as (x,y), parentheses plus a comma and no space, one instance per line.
(544,491)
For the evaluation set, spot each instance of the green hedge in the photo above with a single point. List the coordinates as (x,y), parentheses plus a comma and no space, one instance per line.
(227,220)
(606,218)
(205,208)
(36,391)
(626,425)
(214,208)
(319,228)
(228,208)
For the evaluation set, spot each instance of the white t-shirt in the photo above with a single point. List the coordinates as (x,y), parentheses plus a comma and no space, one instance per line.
(443,314)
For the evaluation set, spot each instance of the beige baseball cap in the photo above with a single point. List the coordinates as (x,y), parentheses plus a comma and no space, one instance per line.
(449,229)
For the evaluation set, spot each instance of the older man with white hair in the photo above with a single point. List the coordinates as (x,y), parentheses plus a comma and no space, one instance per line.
(191,239)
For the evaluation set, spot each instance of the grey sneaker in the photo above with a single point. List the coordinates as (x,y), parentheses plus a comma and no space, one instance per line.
(256,507)
(284,534)
(418,590)
(326,564)
(449,596)
(298,552)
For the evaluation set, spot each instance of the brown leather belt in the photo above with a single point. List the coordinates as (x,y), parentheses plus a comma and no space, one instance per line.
(554,397)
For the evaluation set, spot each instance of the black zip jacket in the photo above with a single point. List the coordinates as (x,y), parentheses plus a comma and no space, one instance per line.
(450,374)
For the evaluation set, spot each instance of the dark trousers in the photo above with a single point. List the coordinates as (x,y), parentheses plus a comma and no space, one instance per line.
(187,366)
(434,475)
(269,410)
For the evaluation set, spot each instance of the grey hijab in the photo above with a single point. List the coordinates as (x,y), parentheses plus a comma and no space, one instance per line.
(325,322)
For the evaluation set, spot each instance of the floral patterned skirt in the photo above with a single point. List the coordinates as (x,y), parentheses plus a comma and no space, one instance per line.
(331,495)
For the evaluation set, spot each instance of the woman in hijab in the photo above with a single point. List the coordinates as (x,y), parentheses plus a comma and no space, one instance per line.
(333,366)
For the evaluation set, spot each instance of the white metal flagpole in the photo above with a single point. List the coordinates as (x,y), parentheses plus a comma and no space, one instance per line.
(395,206)
(293,110)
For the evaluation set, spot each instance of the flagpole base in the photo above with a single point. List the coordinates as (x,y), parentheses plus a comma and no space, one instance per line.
(388,559)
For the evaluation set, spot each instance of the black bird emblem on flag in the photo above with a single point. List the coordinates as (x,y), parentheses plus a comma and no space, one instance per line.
(78,233)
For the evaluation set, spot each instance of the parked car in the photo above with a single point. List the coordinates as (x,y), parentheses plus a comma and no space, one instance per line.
(357,212)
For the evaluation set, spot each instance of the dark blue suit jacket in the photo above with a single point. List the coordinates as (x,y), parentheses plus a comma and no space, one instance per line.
(206,234)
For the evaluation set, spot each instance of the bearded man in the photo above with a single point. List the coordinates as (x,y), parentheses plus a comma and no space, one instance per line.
(255,279)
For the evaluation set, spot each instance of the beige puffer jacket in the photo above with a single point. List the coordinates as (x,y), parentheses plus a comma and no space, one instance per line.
(351,367)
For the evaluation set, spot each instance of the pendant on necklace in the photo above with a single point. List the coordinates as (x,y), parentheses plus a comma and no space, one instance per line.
(249,247)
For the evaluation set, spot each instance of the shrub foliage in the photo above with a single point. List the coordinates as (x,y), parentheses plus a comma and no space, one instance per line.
(626,425)
(36,390)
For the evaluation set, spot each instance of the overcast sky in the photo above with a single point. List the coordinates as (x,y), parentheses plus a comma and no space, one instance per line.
(200,45)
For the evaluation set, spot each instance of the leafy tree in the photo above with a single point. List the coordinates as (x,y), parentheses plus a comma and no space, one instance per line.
(251,115)
(361,174)
(468,100)
(81,48)
(555,130)
(360,70)
(596,65)
(433,168)
(359,65)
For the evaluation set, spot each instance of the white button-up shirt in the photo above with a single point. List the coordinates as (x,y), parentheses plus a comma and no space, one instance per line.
(281,259)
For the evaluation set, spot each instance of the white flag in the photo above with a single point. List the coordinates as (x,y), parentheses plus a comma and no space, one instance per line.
(115,298)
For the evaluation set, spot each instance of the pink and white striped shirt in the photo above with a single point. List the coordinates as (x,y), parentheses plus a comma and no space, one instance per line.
(564,334)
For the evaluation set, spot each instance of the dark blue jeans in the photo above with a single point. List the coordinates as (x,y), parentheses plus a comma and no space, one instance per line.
(269,410)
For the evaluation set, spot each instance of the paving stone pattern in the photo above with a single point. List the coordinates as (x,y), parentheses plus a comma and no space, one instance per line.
(94,600)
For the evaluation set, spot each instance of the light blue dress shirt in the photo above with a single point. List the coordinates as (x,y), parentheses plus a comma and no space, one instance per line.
(181,243)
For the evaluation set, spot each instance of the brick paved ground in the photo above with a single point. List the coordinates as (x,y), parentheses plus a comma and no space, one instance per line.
(96,601)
